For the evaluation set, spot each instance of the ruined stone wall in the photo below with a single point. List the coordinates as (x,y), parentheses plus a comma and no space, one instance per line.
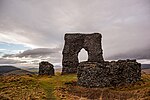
(74,43)
(46,68)
(96,72)
(115,73)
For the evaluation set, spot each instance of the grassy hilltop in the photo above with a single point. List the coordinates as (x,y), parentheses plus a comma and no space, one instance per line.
(63,87)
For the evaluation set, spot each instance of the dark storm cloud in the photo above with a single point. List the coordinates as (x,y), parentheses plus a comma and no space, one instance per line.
(124,24)
(35,53)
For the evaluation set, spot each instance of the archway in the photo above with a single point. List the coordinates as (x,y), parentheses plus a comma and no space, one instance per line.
(74,43)
(82,55)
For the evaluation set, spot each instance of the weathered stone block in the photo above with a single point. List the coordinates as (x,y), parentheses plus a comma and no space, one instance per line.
(45,68)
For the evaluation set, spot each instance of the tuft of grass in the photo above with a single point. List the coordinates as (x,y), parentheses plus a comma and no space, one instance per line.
(1,84)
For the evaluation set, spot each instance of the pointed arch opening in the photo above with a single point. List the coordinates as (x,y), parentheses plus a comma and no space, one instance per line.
(83,55)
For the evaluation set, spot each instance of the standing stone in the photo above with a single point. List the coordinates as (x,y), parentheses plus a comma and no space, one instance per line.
(74,43)
(45,68)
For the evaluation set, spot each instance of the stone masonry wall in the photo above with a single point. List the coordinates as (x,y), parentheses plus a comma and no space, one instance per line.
(74,43)
(96,72)
(115,73)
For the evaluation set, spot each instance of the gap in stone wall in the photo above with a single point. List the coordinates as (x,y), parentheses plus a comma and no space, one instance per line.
(83,55)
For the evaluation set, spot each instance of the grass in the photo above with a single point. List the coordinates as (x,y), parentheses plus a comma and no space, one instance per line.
(139,90)
(20,88)
(45,83)
(50,84)
(64,87)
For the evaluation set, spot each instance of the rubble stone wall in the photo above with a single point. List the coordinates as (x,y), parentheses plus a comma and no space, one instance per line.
(74,43)
(96,72)
(115,73)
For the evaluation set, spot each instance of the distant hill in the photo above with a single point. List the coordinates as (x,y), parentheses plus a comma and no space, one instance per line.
(35,70)
(145,66)
(7,70)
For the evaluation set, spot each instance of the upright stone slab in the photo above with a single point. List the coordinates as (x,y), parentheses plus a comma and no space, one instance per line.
(45,68)
(74,43)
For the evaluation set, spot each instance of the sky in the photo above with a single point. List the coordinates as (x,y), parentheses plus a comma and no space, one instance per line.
(33,30)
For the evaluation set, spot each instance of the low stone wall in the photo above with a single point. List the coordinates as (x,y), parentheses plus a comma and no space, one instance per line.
(115,73)
(45,68)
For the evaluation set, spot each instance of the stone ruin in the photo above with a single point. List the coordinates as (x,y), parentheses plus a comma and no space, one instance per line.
(74,43)
(115,73)
(46,68)
(96,72)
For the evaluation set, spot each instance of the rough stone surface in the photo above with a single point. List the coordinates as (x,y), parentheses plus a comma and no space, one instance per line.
(96,72)
(74,43)
(115,73)
(45,68)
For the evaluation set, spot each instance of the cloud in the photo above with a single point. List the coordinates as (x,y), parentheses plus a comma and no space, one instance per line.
(10,61)
(134,54)
(35,53)
(34,56)
(124,24)
(144,61)
(39,52)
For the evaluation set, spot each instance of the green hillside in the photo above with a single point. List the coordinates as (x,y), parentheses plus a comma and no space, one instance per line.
(64,87)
